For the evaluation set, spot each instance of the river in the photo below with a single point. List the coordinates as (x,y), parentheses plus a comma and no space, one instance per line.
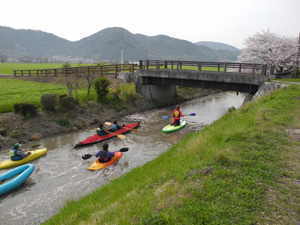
(61,175)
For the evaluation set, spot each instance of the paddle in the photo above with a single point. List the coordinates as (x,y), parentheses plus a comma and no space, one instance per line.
(167,117)
(121,136)
(87,156)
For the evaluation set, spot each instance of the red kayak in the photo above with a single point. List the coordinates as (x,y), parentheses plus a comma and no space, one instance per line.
(97,138)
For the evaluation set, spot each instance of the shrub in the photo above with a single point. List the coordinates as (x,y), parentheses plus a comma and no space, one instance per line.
(67,103)
(25,109)
(231,109)
(101,87)
(128,93)
(115,96)
(49,102)
(63,123)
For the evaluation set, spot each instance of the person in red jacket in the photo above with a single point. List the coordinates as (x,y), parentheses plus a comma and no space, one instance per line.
(176,115)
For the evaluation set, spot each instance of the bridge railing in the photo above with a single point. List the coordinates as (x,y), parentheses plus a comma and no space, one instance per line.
(248,68)
(78,71)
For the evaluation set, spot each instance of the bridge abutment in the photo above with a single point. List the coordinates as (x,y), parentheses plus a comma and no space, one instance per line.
(158,94)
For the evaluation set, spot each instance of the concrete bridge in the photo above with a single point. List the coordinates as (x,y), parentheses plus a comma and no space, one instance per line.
(157,79)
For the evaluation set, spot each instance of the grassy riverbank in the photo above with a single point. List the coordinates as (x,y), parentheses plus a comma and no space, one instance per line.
(228,173)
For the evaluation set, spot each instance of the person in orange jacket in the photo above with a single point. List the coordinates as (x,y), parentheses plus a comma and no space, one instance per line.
(176,115)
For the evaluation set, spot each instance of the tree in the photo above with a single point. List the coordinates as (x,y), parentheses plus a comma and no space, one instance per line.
(3,58)
(71,81)
(89,79)
(101,87)
(271,49)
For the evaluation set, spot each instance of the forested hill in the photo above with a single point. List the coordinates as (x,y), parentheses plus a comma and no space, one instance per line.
(107,44)
(223,50)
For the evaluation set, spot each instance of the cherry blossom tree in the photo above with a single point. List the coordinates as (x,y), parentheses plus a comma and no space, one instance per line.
(269,48)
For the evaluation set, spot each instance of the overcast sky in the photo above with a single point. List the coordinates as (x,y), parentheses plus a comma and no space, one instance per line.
(228,21)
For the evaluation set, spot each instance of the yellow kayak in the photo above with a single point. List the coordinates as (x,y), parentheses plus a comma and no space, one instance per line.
(33,155)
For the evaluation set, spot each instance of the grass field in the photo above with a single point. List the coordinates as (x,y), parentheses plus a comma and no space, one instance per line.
(226,174)
(191,68)
(289,79)
(18,91)
(8,68)
(14,91)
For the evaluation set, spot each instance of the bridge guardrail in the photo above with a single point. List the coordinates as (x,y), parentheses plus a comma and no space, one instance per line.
(78,71)
(204,66)
(146,65)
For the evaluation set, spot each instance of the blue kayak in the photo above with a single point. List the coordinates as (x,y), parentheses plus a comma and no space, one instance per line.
(15,177)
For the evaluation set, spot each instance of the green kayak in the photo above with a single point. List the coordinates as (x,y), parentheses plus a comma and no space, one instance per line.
(170,128)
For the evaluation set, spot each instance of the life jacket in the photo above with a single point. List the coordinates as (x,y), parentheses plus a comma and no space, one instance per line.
(105,156)
(177,114)
(12,152)
(101,132)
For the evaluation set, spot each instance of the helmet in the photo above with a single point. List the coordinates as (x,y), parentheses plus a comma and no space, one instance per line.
(17,145)
(105,147)
(98,128)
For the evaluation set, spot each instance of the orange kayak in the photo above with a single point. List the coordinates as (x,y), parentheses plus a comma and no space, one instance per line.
(98,165)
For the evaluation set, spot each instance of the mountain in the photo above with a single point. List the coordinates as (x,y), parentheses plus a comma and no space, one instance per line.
(225,51)
(217,45)
(107,45)
(17,43)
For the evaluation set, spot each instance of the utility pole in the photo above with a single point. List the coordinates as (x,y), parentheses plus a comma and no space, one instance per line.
(298,56)
(122,56)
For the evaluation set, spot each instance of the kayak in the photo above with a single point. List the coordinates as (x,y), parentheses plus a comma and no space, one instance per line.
(15,177)
(98,165)
(97,138)
(170,128)
(33,155)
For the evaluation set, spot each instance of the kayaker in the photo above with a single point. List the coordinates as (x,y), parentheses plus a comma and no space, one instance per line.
(115,126)
(101,131)
(104,155)
(16,153)
(176,115)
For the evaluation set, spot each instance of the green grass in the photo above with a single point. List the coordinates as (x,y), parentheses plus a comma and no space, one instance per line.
(219,176)
(8,68)
(289,79)
(18,91)
(14,91)
(191,68)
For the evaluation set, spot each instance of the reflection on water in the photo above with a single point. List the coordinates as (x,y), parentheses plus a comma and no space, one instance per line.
(61,175)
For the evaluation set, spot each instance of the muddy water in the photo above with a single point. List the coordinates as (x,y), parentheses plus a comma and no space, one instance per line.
(61,175)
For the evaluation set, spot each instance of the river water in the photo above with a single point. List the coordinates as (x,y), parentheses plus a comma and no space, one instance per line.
(61,175)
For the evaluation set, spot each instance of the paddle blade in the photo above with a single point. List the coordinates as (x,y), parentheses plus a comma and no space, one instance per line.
(121,136)
(165,117)
(192,114)
(107,123)
(86,156)
(124,149)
